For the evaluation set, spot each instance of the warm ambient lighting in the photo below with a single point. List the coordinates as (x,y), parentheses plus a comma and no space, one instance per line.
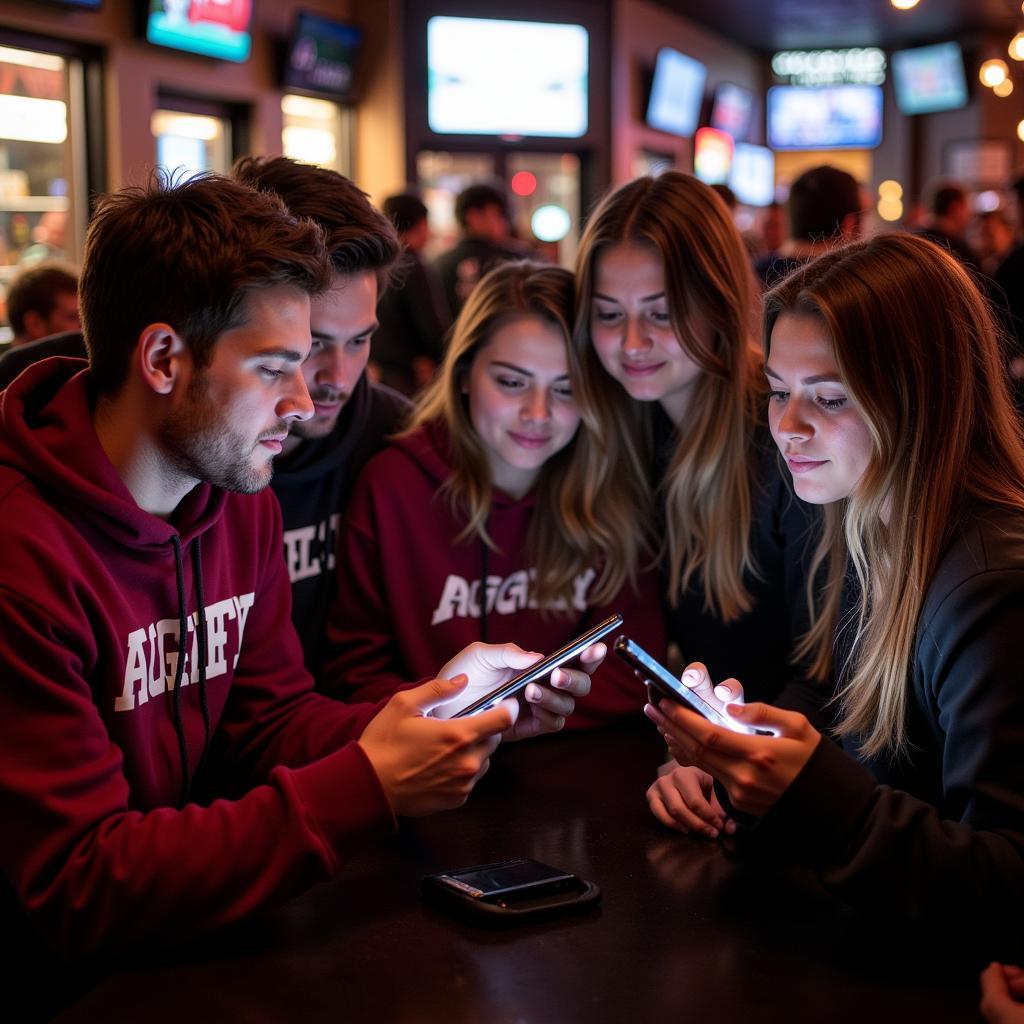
(1020,130)
(1016,47)
(890,209)
(24,119)
(904,5)
(1004,88)
(993,72)
(891,191)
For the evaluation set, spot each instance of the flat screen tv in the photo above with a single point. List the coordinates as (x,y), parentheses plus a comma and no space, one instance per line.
(928,79)
(752,176)
(214,28)
(492,77)
(731,110)
(712,156)
(677,91)
(837,117)
(321,57)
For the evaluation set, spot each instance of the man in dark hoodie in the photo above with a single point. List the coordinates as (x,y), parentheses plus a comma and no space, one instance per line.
(351,416)
(167,767)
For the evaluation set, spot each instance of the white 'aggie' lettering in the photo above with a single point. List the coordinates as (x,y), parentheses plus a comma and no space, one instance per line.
(460,598)
(151,660)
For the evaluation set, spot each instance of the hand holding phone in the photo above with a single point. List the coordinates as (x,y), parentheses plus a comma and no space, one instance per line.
(662,683)
(542,669)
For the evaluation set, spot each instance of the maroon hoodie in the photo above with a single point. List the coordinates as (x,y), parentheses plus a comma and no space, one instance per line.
(100,842)
(409,591)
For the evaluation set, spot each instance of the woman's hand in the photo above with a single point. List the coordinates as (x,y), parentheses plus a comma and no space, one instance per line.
(755,770)
(683,798)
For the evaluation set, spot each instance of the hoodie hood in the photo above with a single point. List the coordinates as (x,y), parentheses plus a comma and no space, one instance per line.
(47,435)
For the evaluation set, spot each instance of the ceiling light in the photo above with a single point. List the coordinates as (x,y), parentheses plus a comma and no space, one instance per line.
(906,5)
(993,72)
(1004,88)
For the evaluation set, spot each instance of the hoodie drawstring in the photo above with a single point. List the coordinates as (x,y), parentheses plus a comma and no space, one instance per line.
(179,668)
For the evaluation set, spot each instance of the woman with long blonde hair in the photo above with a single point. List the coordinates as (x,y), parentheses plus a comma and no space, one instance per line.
(481,521)
(890,406)
(666,325)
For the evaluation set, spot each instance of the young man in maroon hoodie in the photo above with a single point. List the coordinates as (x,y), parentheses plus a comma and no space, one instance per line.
(135,515)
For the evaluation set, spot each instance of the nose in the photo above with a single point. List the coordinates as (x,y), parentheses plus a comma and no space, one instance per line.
(333,369)
(635,339)
(295,403)
(794,424)
(536,407)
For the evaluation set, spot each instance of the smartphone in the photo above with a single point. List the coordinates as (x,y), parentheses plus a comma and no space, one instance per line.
(509,892)
(663,683)
(543,668)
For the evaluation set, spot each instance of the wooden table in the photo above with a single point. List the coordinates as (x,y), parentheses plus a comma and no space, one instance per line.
(689,929)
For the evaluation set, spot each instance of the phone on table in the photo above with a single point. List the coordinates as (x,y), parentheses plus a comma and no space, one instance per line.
(543,668)
(663,683)
(508,891)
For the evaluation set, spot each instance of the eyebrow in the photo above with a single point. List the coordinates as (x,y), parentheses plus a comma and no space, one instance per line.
(645,298)
(325,336)
(821,378)
(289,355)
(519,369)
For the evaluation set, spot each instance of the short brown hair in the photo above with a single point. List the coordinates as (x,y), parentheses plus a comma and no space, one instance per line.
(35,290)
(359,237)
(187,254)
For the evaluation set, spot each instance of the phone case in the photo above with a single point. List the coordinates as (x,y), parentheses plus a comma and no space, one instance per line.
(504,910)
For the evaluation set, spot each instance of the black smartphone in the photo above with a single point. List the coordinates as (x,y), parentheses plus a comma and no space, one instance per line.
(508,891)
(664,684)
(543,668)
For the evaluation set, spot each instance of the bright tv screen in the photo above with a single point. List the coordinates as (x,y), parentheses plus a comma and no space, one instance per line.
(752,176)
(838,117)
(731,110)
(677,91)
(928,79)
(214,28)
(491,77)
(712,156)
(321,57)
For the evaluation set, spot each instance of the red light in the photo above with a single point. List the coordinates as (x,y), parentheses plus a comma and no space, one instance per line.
(524,183)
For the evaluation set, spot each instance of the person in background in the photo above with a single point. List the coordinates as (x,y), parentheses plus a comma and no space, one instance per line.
(995,240)
(42,299)
(1009,276)
(481,211)
(482,522)
(322,455)
(409,342)
(665,322)
(167,768)
(948,220)
(824,210)
(889,405)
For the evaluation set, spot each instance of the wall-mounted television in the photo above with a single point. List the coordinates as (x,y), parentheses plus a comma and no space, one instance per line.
(214,28)
(928,79)
(677,92)
(321,57)
(712,156)
(732,110)
(752,176)
(837,117)
(480,83)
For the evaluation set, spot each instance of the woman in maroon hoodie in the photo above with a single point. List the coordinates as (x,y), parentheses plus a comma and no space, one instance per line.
(482,521)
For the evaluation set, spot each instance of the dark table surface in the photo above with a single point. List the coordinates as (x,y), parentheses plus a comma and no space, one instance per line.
(688,929)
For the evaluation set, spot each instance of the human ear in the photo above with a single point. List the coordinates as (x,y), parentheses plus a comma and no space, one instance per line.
(162,357)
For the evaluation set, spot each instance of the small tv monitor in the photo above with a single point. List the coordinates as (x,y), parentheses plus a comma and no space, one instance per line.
(752,176)
(712,156)
(321,57)
(214,28)
(677,91)
(836,117)
(928,79)
(480,83)
(731,110)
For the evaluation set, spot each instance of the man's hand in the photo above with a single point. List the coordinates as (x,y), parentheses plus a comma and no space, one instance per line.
(425,764)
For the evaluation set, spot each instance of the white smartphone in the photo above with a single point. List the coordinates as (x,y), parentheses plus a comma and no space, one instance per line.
(543,668)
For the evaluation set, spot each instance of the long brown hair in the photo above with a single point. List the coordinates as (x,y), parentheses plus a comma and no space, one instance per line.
(707,487)
(918,350)
(576,524)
